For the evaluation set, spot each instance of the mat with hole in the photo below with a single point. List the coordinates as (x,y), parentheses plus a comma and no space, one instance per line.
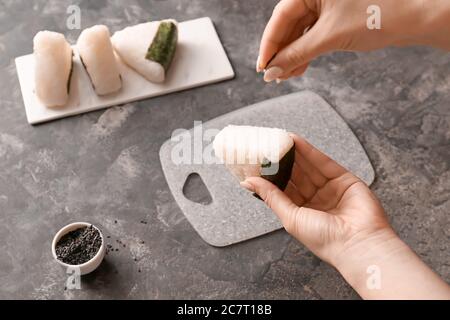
(225,213)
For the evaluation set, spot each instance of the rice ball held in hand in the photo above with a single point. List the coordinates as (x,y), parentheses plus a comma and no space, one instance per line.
(256,152)
(148,48)
(53,68)
(97,55)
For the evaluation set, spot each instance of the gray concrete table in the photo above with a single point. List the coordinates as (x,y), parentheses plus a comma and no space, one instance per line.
(103,167)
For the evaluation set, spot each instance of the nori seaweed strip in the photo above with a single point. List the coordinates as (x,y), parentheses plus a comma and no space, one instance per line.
(82,62)
(162,49)
(281,178)
(70,74)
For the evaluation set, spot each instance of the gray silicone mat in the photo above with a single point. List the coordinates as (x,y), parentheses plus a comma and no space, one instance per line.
(234,214)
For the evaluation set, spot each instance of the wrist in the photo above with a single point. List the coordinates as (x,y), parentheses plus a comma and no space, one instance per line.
(408,22)
(368,250)
(435,27)
(381,266)
(422,23)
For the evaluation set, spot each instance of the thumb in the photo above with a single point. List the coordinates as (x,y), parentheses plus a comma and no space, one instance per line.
(298,53)
(311,227)
(275,199)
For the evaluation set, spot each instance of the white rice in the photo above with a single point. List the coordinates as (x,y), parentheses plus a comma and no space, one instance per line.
(243,149)
(96,51)
(132,43)
(53,65)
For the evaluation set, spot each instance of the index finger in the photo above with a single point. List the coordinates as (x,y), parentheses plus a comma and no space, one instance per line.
(283,19)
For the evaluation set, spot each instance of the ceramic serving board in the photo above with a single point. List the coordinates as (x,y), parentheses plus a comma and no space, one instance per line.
(234,214)
(200,59)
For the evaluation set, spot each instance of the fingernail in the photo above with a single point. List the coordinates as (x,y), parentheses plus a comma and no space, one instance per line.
(247,185)
(258,68)
(272,73)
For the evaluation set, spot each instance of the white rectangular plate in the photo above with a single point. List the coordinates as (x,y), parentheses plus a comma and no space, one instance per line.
(200,59)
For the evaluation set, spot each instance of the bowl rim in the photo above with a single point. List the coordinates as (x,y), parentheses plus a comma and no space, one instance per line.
(66,229)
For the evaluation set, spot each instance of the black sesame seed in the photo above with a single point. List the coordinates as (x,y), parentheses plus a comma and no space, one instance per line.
(79,246)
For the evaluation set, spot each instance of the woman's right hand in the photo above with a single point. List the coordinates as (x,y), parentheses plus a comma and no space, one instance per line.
(335,215)
(301,30)
(324,206)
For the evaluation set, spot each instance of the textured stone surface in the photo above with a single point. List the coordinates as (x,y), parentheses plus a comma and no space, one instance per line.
(104,166)
(235,214)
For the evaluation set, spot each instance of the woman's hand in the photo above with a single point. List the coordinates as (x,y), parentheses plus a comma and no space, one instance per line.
(301,30)
(335,215)
(324,206)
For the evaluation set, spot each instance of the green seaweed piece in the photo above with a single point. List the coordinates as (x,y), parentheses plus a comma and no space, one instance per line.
(162,49)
